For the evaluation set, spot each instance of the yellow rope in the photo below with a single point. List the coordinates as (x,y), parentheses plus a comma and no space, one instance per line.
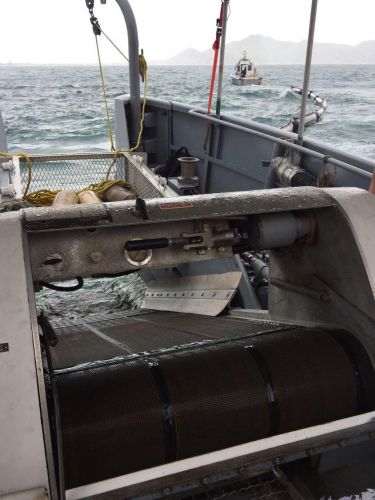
(143,72)
(118,152)
(103,186)
(41,198)
(142,66)
(109,126)
(29,168)
(45,197)
(115,46)
(115,156)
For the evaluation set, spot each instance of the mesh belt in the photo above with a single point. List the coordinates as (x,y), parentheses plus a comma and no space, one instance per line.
(127,416)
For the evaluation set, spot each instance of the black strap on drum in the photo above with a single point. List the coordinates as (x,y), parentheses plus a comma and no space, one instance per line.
(271,393)
(347,345)
(169,428)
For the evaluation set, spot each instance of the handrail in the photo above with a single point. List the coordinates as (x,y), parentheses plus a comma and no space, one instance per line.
(135,101)
(301,149)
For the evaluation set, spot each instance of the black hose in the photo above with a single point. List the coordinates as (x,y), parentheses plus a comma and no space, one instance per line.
(114,275)
(150,244)
(58,288)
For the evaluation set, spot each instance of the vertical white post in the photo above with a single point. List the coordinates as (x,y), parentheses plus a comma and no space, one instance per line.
(222,54)
(310,44)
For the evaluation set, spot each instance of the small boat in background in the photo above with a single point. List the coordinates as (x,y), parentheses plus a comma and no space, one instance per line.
(245,73)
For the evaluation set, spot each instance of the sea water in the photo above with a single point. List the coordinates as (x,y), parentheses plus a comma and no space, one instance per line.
(59,109)
(50,109)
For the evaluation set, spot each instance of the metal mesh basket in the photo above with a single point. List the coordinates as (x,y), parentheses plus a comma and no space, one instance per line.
(74,172)
(78,171)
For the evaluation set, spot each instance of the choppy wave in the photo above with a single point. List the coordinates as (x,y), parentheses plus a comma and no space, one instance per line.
(61,107)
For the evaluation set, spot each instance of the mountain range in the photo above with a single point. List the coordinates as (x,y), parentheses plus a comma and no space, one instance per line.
(266,50)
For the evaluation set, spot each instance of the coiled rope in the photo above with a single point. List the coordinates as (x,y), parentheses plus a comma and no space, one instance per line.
(45,197)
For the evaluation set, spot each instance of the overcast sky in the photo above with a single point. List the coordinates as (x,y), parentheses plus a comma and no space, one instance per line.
(58,31)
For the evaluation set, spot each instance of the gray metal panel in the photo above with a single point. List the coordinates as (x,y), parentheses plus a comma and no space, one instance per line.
(332,282)
(162,132)
(337,176)
(206,294)
(228,164)
(122,132)
(22,458)
(222,266)
(252,458)
(241,153)
(157,124)
(222,179)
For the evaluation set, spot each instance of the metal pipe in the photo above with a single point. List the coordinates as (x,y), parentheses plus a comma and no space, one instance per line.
(310,44)
(278,230)
(222,55)
(286,144)
(135,101)
(260,267)
(188,166)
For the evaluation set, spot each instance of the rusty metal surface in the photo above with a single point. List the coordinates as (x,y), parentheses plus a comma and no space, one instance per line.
(181,208)
(67,254)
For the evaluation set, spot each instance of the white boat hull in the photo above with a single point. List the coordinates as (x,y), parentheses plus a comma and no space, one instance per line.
(251,80)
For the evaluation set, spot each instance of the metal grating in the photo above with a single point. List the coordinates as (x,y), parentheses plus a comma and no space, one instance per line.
(144,181)
(77,171)
(188,400)
(68,171)
(152,333)
(263,487)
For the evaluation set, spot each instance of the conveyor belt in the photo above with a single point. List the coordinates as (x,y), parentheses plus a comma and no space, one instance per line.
(105,336)
(140,390)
